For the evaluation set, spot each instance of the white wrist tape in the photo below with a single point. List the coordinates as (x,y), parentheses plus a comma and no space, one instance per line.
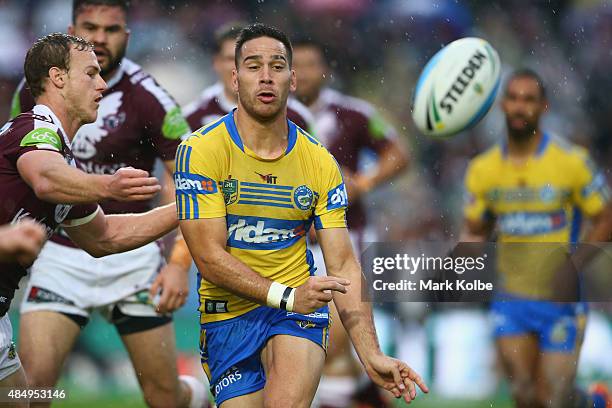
(281,296)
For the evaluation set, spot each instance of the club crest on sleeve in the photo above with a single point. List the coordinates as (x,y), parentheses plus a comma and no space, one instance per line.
(229,188)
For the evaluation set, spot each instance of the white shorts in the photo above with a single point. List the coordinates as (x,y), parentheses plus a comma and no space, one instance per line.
(9,360)
(69,280)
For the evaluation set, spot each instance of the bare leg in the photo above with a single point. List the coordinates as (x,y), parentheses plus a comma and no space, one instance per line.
(153,354)
(45,340)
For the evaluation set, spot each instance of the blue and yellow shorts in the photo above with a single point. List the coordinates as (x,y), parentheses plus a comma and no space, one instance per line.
(559,326)
(230,349)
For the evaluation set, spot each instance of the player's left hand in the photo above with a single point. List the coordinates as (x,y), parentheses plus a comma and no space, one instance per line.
(395,376)
(174,284)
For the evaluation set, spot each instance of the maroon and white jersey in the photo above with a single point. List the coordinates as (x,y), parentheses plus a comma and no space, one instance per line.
(212,104)
(138,122)
(38,129)
(345,125)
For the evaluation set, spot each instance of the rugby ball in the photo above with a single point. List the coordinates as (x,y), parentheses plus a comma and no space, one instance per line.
(456,88)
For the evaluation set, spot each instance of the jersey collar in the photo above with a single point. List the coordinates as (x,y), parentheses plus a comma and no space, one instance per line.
(544,142)
(230,124)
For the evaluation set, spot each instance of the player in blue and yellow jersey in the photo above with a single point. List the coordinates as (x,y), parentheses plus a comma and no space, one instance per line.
(249,186)
(535,189)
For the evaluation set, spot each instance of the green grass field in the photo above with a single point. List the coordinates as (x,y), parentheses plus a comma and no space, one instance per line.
(136,402)
(80,400)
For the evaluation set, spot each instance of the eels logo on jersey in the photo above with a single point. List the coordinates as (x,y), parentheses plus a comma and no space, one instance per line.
(303,198)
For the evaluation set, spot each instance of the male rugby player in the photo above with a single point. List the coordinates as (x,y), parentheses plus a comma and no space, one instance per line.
(264,315)
(138,122)
(217,101)
(39,178)
(347,127)
(534,189)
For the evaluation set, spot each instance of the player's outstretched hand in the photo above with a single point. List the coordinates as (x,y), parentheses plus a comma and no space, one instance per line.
(21,242)
(174,285)
(316,292)
(395,376)
(130,184)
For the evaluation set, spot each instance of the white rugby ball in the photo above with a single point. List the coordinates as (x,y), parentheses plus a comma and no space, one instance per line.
(456,88)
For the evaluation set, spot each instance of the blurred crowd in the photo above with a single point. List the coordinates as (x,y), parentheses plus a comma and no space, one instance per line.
(376,50)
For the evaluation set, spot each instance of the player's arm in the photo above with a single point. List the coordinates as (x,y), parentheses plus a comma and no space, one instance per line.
(392,159)
(53,180)
(382,138)
(172,280)
(101,234)
(356,316)
(591,195)
(476,230)
(479,221)
(206,239)
(167,192)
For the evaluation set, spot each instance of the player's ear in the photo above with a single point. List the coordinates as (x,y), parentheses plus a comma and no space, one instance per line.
(293,81)
(71,29)
(57,77)
(235,80)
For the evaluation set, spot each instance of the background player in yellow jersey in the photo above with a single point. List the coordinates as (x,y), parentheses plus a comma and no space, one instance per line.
(534,188)
(264,316)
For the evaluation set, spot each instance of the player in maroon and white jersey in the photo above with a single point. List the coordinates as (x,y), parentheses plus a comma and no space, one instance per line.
(346,126)
(138,122)
(40,181)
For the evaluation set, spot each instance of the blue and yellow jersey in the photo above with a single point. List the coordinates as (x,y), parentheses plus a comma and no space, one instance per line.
(539,201)
(269,205)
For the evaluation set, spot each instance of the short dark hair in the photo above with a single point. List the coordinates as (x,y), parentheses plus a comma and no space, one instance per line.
(258,30)
(50,51)
(228,31)
(527,73)
(79,5)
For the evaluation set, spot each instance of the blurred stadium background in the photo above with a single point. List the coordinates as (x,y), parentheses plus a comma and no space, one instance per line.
(377,49)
